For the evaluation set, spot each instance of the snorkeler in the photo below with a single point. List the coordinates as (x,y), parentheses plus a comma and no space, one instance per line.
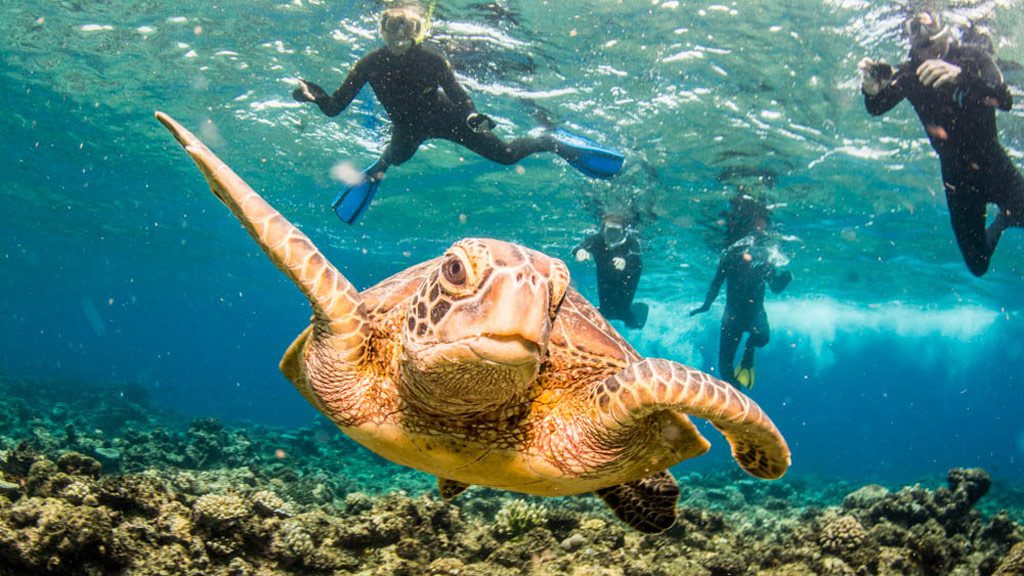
(955,89)
(615,249)
(747,264)
(423,99)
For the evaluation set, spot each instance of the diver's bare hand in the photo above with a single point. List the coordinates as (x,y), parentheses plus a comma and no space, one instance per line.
(871,82)
(619,263)
(307,92)
(937,73)
(582,255)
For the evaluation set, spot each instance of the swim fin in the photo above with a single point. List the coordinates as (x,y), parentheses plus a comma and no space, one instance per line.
(745,376)
(638,316)
(353,200)
(589,157)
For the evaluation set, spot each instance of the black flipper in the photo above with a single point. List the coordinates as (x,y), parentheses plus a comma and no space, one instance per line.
(450,488)
(638,315)
(648,504)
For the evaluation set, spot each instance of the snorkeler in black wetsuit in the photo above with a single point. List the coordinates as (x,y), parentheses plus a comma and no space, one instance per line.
(616,252)
(748,264)
(419,92)
(954,90)
(417,88)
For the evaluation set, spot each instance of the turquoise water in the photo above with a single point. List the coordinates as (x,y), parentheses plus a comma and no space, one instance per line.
(888,362)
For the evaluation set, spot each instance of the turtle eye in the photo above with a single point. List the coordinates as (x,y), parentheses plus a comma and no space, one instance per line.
(454,272)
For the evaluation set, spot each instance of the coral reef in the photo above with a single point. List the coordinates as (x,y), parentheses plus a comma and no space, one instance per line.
(155,496)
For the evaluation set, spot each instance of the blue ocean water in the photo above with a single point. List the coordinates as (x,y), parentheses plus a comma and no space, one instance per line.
(888,362)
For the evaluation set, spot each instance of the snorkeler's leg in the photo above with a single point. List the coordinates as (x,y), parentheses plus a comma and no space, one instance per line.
(1009,197)
(353,200)
(404,144)
(758,338)
(488,145)
(760,333)
(728,343)
(967,215)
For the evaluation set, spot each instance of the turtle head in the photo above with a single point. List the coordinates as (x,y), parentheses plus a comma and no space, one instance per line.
(477,331)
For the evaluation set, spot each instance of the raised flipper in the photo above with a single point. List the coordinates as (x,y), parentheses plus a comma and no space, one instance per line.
(654,385)
(450,488)
(340,328)
(648,504)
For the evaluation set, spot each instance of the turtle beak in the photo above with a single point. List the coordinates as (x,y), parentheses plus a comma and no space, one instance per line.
(523,315)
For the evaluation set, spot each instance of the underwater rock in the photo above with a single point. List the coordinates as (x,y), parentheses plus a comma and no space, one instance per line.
(9,489)
(18,461)
(250,519)
(1013,563)
(969,484)
(866,497)
(572,543)
(1003,530)
(132,494)
(268,504)
(77,464)
(46,535)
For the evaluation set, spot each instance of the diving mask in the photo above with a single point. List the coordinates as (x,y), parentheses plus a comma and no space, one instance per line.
(614,234)
(401,28)
(926,29)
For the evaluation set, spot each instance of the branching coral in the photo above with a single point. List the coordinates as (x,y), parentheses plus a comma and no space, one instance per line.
(517,517)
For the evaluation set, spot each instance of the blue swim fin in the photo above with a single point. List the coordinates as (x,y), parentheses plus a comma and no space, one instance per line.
(589,157)
(353,200)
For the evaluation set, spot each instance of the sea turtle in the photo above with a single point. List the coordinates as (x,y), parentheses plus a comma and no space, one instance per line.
(483,366)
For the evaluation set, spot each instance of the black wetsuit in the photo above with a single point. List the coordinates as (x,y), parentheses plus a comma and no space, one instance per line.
(960,121)
(424,100)
(748,265)
(616,288)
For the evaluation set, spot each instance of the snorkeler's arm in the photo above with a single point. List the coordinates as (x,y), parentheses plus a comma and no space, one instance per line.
(889,96)
(780,280)
(333,104)
(713,290)
(981,82)
(455,92)
(587,246)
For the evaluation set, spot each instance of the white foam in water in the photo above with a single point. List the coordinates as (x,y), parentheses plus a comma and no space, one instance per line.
(669,333)
(824,321)
(816,324)
(347,173)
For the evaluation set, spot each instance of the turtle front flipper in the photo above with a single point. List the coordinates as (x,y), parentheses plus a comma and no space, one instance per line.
(647,504)
(652,386)
(339,317)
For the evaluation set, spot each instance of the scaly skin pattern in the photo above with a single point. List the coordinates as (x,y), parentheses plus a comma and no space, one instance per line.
(483,367)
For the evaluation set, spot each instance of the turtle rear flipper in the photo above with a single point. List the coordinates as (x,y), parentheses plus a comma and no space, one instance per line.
(450,488)
(647,504)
